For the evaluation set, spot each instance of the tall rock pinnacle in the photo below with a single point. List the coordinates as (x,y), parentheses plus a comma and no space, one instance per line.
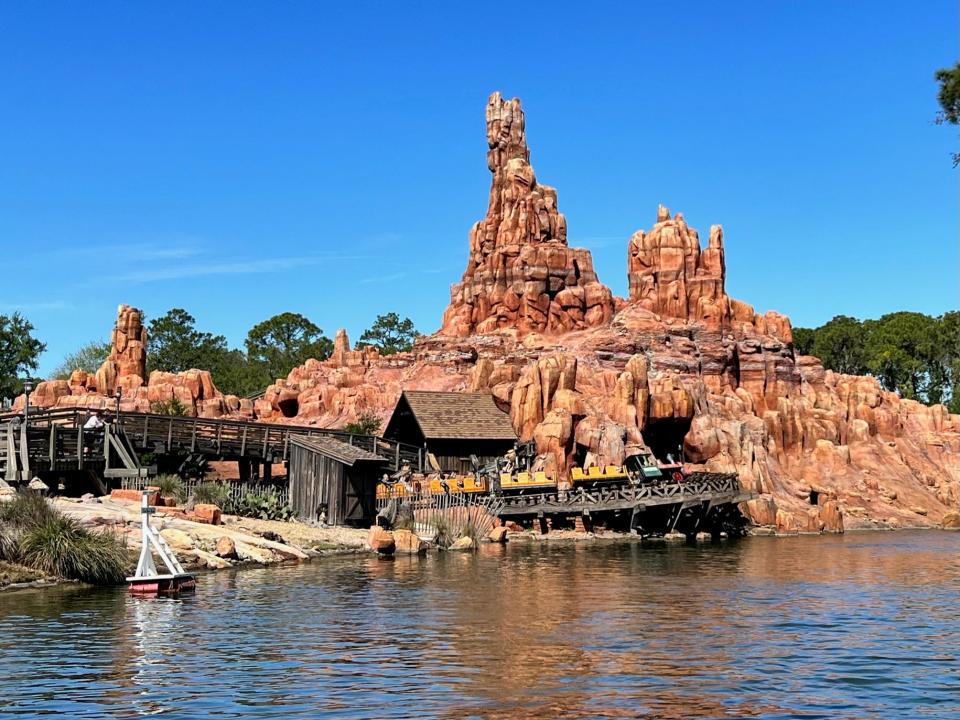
(521,274)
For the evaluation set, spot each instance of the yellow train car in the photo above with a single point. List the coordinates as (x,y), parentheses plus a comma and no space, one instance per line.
(612,474)
(528,481)
(459,484)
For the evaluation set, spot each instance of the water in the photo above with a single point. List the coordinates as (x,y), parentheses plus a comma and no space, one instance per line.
(863,625)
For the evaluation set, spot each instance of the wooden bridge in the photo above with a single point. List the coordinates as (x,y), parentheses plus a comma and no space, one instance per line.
(701,502)
(53,440)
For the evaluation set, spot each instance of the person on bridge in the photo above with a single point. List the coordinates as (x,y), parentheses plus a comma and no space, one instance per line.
(92,432)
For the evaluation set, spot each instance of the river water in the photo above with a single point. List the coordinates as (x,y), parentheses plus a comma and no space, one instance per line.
(861,625)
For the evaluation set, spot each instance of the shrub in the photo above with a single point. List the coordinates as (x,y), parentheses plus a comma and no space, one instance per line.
(26,511)
(212,493)
(471,531)
(269,506)
(171,485)
(173,406)
(60,546)
(444,531)
(10,542)
(367,424)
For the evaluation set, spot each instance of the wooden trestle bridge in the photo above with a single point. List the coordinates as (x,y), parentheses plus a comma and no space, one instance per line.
(54,441)
(701,502)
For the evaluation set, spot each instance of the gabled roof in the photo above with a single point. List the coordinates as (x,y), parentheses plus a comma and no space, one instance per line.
(454,415)
(339,451)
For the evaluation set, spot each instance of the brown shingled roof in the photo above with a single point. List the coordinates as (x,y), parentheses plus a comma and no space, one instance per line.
(446,415)
(340,451)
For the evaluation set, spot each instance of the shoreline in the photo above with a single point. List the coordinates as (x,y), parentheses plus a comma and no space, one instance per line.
(255,543)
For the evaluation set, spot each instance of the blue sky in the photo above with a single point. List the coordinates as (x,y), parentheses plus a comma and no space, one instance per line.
(244,159)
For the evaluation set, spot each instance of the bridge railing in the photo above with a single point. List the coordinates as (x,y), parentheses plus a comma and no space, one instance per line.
(214,436)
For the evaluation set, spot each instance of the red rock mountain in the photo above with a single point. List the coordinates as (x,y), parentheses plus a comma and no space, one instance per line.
(592,378)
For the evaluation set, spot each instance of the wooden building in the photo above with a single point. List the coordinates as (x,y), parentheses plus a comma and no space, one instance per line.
(452,426)
(335,478)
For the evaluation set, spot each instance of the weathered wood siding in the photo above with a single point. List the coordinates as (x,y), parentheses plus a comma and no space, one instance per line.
(348,492)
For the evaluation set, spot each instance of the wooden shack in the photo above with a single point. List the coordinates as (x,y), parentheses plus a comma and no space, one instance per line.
(330,476)
(452,426)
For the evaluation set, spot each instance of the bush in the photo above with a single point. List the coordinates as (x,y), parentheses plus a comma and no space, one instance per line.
(60,546)
(444,531)
(367,424)
(171,486)
(27,511)
(212,493)
(269,506)
(173,406)
(10,537)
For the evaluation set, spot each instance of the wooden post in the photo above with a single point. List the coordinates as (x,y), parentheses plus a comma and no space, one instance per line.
(243,465)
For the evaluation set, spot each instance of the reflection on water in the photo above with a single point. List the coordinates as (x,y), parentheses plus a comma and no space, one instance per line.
(839,627)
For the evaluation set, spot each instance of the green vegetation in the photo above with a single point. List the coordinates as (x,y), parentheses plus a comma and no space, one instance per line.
(34,534)
(173,406)
(367,424)
(915,355)
(389,334)
(171,486)
(19,352)
(212,493)
(87,357)
(948,96)
(443,531)
(284,341)
(273,348)
(269,506)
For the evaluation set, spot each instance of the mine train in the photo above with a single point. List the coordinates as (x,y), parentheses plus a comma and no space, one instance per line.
(504,476)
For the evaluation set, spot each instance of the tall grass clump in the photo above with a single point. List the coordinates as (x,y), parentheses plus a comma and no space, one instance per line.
(443,531)
(171,486)
(213,493)
(34,534)
(26,511)
(61,547)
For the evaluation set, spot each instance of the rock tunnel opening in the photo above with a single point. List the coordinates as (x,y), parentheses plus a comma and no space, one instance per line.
(289,408)
(814,497)
(665,438)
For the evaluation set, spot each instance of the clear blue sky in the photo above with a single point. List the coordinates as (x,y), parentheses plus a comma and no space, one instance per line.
(244,159)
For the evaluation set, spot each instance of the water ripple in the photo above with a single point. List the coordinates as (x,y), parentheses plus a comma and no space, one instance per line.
(847,627)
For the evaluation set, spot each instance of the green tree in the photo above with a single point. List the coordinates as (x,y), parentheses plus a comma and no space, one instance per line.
(367,424)
(948,344)
(901,349)
(88,357)
(284,341)
(174,344)
(19,352)
(803,339)
(949,98)
(389,334)
(840,345)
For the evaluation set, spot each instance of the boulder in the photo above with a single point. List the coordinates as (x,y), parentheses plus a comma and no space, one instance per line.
(177,539)
(462,544)
(226,548)
(381,541)
(951,521)
(208,514)
(498,534)
(408,542)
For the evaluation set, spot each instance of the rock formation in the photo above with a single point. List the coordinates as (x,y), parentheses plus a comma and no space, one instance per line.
(127,364)
(521,274)
(125,368)
(590,379)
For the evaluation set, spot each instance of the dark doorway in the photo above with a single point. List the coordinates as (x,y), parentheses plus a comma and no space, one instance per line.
(665,437)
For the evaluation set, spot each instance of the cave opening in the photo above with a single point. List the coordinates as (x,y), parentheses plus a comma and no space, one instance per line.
(664,437)
(290,407)
(814,497)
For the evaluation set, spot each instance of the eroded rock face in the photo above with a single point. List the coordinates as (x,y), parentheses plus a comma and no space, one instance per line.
(521,274)
(126,365)
(125,368)
(679,364)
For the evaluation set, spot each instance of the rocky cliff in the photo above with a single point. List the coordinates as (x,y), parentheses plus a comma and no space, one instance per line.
(126,368)
(678,364)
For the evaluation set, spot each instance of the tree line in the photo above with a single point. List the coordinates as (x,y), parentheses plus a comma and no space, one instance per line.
(174,343)
(912,354)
